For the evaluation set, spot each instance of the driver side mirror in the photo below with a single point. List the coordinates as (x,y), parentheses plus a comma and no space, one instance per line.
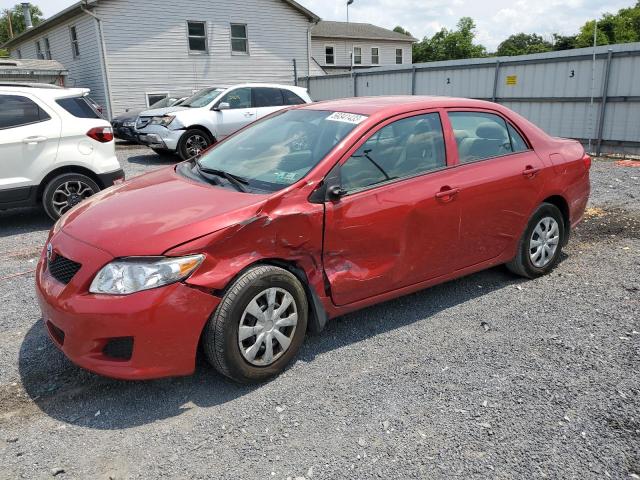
(222,106)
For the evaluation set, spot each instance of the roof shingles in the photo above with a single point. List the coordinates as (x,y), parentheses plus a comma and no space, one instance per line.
(362,31)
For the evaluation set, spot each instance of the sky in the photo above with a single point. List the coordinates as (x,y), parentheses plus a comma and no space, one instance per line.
(495,19)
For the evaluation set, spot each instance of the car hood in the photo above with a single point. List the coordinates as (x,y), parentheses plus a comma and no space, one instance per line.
(157,112)
(126,117)
(155,212)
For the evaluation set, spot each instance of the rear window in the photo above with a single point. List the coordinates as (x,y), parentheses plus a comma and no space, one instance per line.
(267,97)
(291,98)
(78,107)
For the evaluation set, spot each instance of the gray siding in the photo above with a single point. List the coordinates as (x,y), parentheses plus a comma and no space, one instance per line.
(343,48)
(147,47)
(552,90)
(84,71)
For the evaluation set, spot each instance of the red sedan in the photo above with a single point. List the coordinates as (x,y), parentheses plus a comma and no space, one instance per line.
(308,214)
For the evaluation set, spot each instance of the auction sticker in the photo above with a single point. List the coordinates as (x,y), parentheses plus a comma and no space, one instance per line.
(346,117)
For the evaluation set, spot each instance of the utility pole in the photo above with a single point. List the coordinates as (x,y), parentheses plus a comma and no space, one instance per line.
(593,83)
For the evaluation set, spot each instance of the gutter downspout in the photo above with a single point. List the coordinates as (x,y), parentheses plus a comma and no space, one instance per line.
(105,67)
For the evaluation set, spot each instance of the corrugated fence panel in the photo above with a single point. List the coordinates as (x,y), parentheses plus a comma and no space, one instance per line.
(553,89)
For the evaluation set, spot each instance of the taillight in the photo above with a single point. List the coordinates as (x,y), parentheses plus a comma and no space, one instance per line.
(587,161)
(101,134)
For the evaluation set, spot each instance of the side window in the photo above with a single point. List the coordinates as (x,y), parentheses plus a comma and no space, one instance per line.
(517,142)
(480,135)
(238,98)
(16,111)
(239,38)
(404,148)
(267,97)
(75,45)
(197,36)
(329,55)
(291,98)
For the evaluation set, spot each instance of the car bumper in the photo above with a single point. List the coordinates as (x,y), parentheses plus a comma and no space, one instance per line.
(111,178)
(156,331)
(155,136)
(125,133)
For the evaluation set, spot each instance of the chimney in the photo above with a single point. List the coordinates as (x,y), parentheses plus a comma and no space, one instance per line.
(26,11)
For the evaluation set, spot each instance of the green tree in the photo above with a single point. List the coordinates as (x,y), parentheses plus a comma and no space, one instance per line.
(522,44)
(564,42)
(17,21)
(399,29)
(450,44)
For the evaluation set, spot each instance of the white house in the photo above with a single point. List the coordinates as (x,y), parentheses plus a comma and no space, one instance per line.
(131,53)
(340,46)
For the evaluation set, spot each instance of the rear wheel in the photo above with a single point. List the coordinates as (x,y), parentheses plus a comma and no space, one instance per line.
(259,326)
(540,246)
(65,191)
(193,142)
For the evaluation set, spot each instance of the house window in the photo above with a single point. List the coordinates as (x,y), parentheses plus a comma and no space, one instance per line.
(47,49)
(39,54)
(357,55)
(239,38)
(375,56)
(19,54)
(197,33)
(329,55)
(399,59)
(75,46)
(155,97)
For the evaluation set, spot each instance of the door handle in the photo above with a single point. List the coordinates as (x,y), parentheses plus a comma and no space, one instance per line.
(34,140)
(530,171)
(248,114)
(446,194)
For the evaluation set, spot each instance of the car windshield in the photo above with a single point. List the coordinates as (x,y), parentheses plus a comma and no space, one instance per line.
(280,150)
(202,98)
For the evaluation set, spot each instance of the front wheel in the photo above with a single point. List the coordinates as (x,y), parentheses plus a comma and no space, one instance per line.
(540,246)
(193,142)
(65,191)
(259,325)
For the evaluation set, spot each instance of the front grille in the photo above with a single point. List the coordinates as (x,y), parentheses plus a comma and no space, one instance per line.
(142,122)
(63,269)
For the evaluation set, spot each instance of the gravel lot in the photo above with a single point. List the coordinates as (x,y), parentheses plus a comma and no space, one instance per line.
(412,388)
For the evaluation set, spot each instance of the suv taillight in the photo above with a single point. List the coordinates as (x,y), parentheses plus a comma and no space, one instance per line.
(101,134)
(587,161)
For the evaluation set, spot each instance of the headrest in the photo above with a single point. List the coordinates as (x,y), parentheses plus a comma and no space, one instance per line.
(423,126)
(490,131)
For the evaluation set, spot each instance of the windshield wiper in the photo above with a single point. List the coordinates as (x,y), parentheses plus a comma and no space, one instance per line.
(235,180)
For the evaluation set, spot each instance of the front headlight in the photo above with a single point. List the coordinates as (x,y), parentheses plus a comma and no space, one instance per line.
(164,120)
(130,275)
(129,124)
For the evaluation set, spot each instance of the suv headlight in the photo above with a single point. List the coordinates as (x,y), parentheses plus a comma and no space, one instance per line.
(130,275)
(164,120)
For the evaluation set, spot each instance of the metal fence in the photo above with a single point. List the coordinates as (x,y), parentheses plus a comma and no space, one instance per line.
(592,95)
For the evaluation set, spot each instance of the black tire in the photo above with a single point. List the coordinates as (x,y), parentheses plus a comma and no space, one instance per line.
(192,135)
(220,337)
(81,187)
(522,264)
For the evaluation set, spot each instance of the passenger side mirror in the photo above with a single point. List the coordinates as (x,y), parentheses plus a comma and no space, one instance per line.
(222,106)
(335,192)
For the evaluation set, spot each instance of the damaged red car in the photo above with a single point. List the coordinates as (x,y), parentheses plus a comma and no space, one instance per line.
(305,215)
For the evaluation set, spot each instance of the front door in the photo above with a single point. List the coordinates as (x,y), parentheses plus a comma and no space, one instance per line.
(240,112)
(393,227)
(499,178)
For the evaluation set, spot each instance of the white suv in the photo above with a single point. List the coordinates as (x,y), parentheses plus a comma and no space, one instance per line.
(212,114)
(55,149)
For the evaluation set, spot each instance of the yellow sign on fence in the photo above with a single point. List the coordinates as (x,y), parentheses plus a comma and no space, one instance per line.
(512,79)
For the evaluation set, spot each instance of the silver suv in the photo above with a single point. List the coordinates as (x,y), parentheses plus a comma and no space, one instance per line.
(212,114)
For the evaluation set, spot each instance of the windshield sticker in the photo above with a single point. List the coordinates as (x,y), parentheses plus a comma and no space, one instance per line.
(347,117)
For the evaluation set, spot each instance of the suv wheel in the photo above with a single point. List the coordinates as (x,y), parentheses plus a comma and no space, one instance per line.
(65,191)
(193,142)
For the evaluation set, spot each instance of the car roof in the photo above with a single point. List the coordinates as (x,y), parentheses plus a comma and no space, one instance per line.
(396,104)
(44,92)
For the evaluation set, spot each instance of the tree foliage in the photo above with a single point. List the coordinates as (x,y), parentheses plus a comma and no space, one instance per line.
(450,44)
(17,21)
(399,29)
(523,44)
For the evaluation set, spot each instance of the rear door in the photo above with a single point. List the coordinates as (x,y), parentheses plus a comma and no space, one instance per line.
(498,177)
(240,113)
(393,227)
(29,138)
(267,100)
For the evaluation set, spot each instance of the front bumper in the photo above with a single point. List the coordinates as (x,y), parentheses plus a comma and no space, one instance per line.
(164,324)
(125,133)
(156,136)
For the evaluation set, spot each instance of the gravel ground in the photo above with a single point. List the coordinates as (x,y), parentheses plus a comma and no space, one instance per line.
(412,388)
